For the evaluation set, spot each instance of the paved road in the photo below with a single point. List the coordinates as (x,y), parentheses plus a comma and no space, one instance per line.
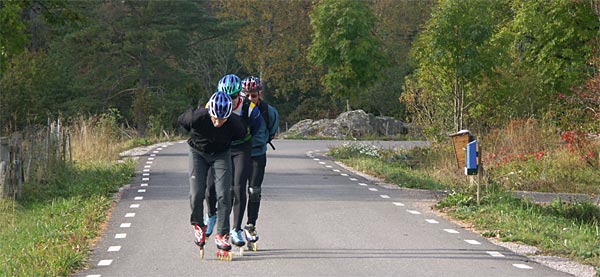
(317,219)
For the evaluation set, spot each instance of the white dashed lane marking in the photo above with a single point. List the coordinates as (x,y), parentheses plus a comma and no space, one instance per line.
(125,225)
(134,206)
(130,215)
(495,254)
(137,198)
(121,236)
(143,185)
(114,248)
(105,262)
(141,190)
(522,266)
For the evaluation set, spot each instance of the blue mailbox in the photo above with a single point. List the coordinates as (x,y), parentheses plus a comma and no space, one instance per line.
(471,158)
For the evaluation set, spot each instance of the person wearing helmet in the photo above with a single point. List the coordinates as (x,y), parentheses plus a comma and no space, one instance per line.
(240,159)
(212,129)
(252,87)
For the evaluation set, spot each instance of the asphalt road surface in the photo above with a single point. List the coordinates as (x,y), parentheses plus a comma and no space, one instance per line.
(316,219)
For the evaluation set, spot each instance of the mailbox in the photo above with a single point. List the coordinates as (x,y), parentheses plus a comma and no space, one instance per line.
(471,158)
(465,148)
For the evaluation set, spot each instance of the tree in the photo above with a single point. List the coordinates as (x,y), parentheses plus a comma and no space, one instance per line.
(131,55)
(399,22)
(12,34)
(450,58)
(553,40)
(344,43)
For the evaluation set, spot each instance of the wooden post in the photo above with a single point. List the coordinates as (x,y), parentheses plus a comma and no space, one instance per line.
(4,161)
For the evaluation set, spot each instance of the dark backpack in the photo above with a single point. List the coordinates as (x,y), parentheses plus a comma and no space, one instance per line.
(263,107)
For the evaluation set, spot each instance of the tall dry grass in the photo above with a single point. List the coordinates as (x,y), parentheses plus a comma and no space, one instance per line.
(533,155)
(97,138)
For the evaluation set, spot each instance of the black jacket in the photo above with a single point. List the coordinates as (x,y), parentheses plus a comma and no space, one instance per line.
(205,137)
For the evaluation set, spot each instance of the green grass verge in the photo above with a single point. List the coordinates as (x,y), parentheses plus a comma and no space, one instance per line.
(51,231)
(404,176)
(562,229)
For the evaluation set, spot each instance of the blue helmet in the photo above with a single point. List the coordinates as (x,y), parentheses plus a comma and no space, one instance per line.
(220,105)
(230,84)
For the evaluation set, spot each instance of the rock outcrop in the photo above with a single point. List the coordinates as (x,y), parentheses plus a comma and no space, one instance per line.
(347,125)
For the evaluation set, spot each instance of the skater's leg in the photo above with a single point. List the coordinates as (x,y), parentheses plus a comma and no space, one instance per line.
(254,187)
(198,167)
(211,202)
(223,177)
(211,194)
(241,163)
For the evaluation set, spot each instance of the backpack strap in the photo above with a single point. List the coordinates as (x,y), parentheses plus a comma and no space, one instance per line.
(264,110)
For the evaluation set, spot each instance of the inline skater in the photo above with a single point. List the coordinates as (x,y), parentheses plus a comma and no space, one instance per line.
(253,88)
(240,158)
(212,129)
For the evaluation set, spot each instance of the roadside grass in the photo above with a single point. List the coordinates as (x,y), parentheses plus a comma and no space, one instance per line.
(562,229)
(52,229)
(50,232)
(527,155)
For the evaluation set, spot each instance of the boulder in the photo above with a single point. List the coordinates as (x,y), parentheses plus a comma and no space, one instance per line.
(352,124)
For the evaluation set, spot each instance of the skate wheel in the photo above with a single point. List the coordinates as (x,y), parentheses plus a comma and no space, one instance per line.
(202,254)
(252,246)
(241,251)
(224,255)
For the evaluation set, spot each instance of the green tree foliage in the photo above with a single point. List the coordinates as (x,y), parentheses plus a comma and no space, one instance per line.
(451,58)
(273,45)
(32,83)
(12,34)
(398,24)
(131,55)
(541,53)
(344,43)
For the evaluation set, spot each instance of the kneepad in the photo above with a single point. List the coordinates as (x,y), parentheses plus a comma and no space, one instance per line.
(253,194)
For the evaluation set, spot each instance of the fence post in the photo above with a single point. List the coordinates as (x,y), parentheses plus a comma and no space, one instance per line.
(4,160)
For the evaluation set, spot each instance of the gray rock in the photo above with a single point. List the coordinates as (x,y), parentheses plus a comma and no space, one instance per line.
(353,124)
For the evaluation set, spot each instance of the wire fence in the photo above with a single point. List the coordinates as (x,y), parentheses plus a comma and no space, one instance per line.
(32,156)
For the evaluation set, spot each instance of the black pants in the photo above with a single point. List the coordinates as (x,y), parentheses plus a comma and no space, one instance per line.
(255,180)
(240,166)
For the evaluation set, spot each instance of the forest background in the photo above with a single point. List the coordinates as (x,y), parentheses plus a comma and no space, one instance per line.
(445,65)
(524,76)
